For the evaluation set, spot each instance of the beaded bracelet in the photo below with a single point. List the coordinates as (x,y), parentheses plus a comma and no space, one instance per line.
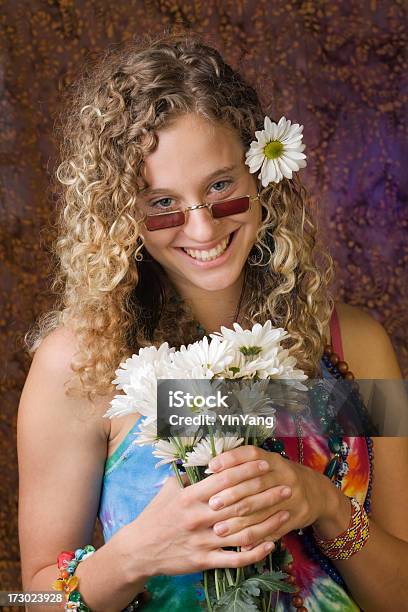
(67,562)
(352,539)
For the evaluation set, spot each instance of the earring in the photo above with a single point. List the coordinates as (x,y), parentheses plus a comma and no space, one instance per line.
(265,251)
(137,253)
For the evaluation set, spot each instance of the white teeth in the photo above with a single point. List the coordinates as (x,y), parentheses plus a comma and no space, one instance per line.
(208,255)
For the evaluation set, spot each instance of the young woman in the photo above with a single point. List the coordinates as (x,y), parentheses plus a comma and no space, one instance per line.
(165,127)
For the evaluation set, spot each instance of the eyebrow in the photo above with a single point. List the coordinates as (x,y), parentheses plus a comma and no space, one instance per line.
(150,191)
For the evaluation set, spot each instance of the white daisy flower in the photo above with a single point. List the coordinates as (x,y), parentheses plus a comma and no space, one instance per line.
(202,452)
(140,394)
(277,150)
(253,398)
(166,451)
(202,359)
(147,432)
(261,343)
(158,358)
(137,378)
(252,342)
(276,364)
(169,450)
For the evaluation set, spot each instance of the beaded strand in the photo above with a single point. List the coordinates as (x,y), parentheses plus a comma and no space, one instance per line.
(337,468)
(339,369)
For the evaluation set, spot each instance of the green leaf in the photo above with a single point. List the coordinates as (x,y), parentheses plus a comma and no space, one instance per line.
(235,599)
(251,588)
(271,581)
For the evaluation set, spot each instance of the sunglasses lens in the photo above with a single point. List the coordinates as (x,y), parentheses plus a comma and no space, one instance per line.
(157,222)
(230,207)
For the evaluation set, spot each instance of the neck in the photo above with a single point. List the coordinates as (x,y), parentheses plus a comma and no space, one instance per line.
(212,309)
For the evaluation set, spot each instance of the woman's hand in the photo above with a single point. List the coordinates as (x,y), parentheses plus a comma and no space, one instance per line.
(174,535)
(284,497)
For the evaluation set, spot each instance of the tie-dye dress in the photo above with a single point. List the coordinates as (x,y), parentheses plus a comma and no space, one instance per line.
(131,481)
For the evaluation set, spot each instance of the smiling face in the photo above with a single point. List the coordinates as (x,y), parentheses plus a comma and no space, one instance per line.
(196,162)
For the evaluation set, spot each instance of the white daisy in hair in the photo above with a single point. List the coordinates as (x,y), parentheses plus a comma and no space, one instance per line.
(277,150)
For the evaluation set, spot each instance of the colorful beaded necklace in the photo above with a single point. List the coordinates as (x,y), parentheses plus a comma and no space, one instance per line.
(336,468)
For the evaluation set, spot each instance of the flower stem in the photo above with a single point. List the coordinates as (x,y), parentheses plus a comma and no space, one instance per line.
(270,593)
(238,576)
(217,586)
(211,432)
(191,474)
(177,473)
(229,577)
(276,600)
(207,597)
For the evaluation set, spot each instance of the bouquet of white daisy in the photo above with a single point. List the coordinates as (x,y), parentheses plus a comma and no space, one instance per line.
(251,358)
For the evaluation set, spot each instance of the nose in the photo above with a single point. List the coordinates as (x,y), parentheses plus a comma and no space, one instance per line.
(200,225)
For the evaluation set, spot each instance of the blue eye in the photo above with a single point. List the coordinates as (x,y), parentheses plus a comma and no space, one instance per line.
(162,203)
(166,204)
(225,182)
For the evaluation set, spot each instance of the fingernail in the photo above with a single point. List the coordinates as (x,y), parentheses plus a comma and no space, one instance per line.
(284,516)
(216,503)
(269,546)
(263,466)
(286,492)
(220,528)
(214,465)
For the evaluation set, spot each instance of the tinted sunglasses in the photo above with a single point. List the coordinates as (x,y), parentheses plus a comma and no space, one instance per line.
(219,209)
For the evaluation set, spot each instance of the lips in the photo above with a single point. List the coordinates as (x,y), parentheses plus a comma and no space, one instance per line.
(208,248)
(212,263)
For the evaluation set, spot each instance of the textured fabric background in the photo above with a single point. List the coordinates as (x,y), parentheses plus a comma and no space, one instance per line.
(336,67)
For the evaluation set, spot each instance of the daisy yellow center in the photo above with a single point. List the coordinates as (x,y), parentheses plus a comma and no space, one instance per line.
(273,149)
(249,351)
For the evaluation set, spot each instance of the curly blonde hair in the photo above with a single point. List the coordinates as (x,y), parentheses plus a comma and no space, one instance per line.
(116,304)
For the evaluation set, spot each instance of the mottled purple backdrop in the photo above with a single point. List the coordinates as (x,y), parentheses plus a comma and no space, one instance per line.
(336,67)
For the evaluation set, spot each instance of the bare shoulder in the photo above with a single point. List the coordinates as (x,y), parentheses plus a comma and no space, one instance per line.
(51,370)
(367,346)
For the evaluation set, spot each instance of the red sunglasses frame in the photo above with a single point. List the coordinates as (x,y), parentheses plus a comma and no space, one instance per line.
(208,205)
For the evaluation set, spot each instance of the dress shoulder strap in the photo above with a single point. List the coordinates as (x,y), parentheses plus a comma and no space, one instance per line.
(336,335)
